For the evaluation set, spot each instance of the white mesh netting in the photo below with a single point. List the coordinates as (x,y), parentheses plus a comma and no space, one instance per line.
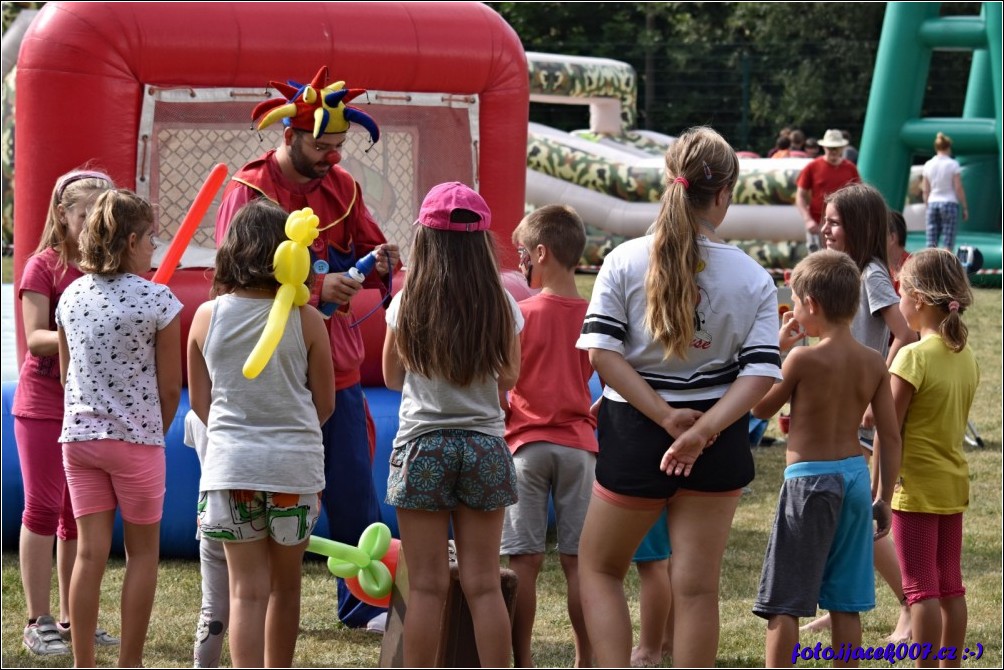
(425,139)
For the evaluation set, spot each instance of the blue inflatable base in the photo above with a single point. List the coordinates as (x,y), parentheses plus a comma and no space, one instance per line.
(177,529)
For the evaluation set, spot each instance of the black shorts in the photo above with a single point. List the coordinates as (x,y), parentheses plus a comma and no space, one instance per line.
(632,446)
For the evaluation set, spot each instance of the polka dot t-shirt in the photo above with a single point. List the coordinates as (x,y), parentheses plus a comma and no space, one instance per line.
(111,324)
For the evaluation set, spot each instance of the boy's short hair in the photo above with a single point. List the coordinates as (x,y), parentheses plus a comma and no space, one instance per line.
(897,226)
(832,280)
(557,227)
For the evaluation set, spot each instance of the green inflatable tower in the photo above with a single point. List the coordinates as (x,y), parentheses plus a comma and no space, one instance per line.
(894,132)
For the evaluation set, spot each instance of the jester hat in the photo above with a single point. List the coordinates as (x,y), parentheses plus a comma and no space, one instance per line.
(315,107)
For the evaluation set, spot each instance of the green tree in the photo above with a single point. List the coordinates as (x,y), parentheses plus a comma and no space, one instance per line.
(747,69)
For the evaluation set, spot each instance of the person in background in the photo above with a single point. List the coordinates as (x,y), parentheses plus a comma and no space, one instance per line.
(897,246)
(797,144)
(812,147)
(943,195)
(850,151)
(818,179)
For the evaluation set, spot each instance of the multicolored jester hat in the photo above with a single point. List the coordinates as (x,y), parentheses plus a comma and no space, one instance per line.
(315,107)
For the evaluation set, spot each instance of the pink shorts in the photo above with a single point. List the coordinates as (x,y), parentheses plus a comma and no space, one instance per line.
(105,474)
(635,502)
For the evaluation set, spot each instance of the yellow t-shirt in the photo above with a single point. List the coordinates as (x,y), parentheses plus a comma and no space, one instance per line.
(934,476)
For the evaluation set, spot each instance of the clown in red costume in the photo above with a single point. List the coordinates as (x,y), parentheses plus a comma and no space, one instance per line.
(304,172)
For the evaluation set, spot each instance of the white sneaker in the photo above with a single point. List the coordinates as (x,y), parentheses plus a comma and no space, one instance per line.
(377,624)
(42,638)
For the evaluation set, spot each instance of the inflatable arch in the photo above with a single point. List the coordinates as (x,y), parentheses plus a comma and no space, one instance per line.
(86,73)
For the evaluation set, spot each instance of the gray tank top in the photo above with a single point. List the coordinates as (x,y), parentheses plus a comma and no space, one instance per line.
(263,433)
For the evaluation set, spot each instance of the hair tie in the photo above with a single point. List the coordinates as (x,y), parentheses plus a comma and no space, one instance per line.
(682,180)
(707,170)
(953,306)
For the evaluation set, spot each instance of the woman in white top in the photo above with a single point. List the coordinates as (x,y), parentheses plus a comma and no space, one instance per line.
(682,328)
(943,194)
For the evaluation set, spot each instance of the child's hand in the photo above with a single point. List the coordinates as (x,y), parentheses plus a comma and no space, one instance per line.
(882,514)
(679,459)
(791,332)
(679,420)
(868,420)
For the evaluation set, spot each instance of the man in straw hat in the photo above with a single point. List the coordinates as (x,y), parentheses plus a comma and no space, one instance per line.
(824,175)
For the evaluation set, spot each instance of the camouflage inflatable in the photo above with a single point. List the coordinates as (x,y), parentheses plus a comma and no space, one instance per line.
(586,78)
(637,180)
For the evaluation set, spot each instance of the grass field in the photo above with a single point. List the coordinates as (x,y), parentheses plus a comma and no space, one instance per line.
(325,643)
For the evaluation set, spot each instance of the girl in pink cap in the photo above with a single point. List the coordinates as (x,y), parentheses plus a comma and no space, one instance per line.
(452,346)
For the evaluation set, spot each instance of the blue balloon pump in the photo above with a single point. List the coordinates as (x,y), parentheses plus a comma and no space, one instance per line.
(358,273)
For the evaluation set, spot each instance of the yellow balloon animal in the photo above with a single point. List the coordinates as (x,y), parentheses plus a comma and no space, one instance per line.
(292,266)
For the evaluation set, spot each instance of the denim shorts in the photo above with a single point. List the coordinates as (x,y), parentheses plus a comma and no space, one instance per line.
(444,469)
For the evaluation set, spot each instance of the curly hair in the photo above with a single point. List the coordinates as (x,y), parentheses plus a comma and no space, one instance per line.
(117,214)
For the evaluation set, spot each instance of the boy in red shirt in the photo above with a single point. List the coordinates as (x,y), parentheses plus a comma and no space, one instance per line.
(549,427)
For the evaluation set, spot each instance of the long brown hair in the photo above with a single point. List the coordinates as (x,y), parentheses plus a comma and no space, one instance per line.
(698,166)
(455,321)
(865,220)
(937,278)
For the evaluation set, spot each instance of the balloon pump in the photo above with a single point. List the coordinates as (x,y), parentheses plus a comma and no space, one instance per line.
(357,273)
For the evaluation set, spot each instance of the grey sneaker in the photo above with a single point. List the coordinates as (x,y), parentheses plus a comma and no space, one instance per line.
(102,638)
(42,638)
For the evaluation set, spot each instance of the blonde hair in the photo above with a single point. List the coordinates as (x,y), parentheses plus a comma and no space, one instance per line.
(116,215)
(73,187)
(937,278)
(942,142)
(698,166)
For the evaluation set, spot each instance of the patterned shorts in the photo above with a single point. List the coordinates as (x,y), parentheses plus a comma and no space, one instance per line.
(446,468)
(239,515)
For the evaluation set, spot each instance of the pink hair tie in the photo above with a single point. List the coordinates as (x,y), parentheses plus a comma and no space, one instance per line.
(682,180)
(953,306)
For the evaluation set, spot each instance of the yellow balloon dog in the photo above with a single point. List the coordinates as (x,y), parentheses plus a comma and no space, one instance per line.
(292,266)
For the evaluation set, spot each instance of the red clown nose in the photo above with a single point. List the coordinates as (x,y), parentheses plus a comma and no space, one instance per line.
(332,157)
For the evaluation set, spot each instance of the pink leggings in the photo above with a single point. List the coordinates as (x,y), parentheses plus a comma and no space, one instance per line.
(47,507)
(929,549)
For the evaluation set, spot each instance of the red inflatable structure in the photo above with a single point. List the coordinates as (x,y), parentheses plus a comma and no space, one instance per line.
(83,70)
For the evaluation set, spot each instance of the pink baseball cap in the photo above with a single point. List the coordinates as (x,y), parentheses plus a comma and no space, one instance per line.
(440,203)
